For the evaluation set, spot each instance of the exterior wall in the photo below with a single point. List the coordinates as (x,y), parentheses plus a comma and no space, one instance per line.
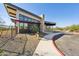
(11,11)
(45,28)
(17,17)
(42,27)
(26,14)
(17,12)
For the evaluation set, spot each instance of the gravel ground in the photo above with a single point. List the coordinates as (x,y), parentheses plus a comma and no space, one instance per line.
(69,45)
(31,44)
(22,44)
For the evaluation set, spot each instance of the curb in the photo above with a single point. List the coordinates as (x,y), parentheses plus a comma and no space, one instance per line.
(56,48)
(61,53)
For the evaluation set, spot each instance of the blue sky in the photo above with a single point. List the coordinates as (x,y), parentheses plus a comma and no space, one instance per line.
(63,14)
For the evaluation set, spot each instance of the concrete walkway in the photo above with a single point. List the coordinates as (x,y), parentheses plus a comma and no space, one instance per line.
(46,46)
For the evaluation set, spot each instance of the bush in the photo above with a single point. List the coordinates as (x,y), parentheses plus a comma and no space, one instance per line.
(69,28)
(33,28)
(72,28)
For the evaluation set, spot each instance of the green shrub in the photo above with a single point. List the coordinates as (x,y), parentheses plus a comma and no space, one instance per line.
(33,28)
(72,28)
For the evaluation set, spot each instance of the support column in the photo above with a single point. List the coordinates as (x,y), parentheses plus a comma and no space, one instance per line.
(17,18)
(42,25)
(17,27)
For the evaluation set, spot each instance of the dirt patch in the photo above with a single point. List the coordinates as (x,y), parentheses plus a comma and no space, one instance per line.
(21,44)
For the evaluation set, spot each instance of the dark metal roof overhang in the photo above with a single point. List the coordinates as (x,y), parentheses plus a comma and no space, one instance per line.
(49,23)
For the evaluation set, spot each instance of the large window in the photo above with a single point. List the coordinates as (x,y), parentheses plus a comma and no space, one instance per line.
(28,27)
(21,17)
(25,25)
(21,25)
(25,18)
(29,19)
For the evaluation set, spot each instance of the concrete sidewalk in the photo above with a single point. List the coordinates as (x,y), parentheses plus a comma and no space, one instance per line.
(46,47)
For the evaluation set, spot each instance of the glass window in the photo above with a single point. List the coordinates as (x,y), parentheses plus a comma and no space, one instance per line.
(29,19)
(25,25)
(24,18)
(21,17)
(21,25)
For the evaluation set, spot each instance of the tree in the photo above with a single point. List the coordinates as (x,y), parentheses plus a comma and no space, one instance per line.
(74,28)
(33,28)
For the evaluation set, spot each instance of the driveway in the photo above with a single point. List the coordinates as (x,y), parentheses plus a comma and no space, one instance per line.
(69,45)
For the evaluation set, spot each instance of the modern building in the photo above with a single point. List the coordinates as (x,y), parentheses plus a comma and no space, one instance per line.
(24,19)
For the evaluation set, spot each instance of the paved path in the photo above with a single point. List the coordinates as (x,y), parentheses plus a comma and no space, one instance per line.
(46,47)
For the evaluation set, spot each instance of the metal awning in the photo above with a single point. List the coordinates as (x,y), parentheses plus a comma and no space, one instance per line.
(49,23)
